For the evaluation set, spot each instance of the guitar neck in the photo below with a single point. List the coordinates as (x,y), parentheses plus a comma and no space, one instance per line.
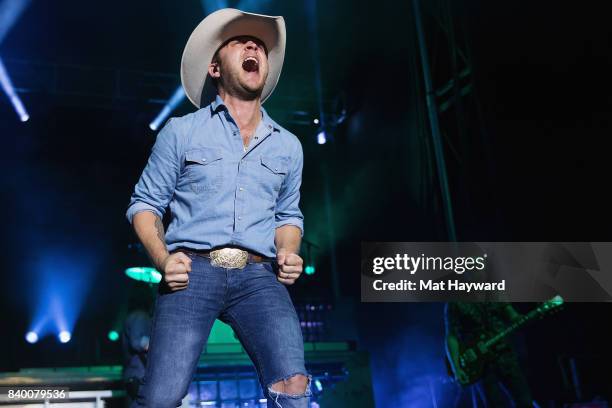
(512,328)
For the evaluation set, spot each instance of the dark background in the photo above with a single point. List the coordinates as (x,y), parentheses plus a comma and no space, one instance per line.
(531,165)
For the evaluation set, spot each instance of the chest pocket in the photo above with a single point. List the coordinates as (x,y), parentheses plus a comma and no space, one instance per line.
(204,169)
(271,173)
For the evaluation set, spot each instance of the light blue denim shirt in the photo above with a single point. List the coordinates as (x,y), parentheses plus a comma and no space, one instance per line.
(217,193)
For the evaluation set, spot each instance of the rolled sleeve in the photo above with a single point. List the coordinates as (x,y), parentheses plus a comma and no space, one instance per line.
(159,177)
(287,206)
(139,206)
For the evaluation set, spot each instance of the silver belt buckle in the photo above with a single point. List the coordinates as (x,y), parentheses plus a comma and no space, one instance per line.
(234,258)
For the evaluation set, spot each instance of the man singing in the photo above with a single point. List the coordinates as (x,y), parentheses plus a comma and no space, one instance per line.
(231,177)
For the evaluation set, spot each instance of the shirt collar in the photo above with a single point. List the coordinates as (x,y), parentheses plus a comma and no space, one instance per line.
(218,104)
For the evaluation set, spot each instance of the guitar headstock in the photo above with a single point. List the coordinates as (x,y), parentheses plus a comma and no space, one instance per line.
(550,306)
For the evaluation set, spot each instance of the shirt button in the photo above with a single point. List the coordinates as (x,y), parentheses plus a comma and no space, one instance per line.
(241,189)
(203,159)
(239,218)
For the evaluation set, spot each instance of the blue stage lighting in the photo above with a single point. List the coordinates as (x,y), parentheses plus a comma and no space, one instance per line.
(318,385)
(64,336)
(60,281)
(39,328)
(10,12)
(31,337)
(321,138)
(172,103)
(8,88)
(210,6)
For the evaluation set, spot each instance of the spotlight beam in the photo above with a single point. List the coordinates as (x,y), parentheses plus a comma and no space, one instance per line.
(173,102)
(10,11)
(9,90)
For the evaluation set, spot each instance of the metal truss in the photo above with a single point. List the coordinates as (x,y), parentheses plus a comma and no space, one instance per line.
(112,88)
(454,112)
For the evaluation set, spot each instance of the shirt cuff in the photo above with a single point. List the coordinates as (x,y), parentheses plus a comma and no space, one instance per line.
(292,221)
(139,206)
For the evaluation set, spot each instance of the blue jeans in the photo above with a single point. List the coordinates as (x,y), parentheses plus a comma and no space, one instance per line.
(253,302)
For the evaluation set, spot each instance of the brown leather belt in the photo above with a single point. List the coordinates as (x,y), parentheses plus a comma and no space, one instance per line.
(227,257)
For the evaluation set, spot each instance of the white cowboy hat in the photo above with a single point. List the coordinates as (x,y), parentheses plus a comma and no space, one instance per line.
(212,32)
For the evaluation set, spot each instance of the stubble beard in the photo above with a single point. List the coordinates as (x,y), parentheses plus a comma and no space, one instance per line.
(231,84)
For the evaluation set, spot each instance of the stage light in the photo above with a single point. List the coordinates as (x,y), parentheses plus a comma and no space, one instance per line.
(144,274)
(557,300)
(31,337)
(61,281)
(113,335)
(172,103)
(321,139)
(315,121)
(318,385)
(10,12)
(8,88)
(39,328)
(309,270)
(64,336)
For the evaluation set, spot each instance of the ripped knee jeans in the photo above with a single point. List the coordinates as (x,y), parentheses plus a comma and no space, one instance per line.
(290,399)
(258,308)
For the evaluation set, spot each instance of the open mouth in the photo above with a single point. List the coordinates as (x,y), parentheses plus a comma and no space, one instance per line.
(250,64)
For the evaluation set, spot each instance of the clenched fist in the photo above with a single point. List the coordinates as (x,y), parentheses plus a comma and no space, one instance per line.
(175,270)
(289,266)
